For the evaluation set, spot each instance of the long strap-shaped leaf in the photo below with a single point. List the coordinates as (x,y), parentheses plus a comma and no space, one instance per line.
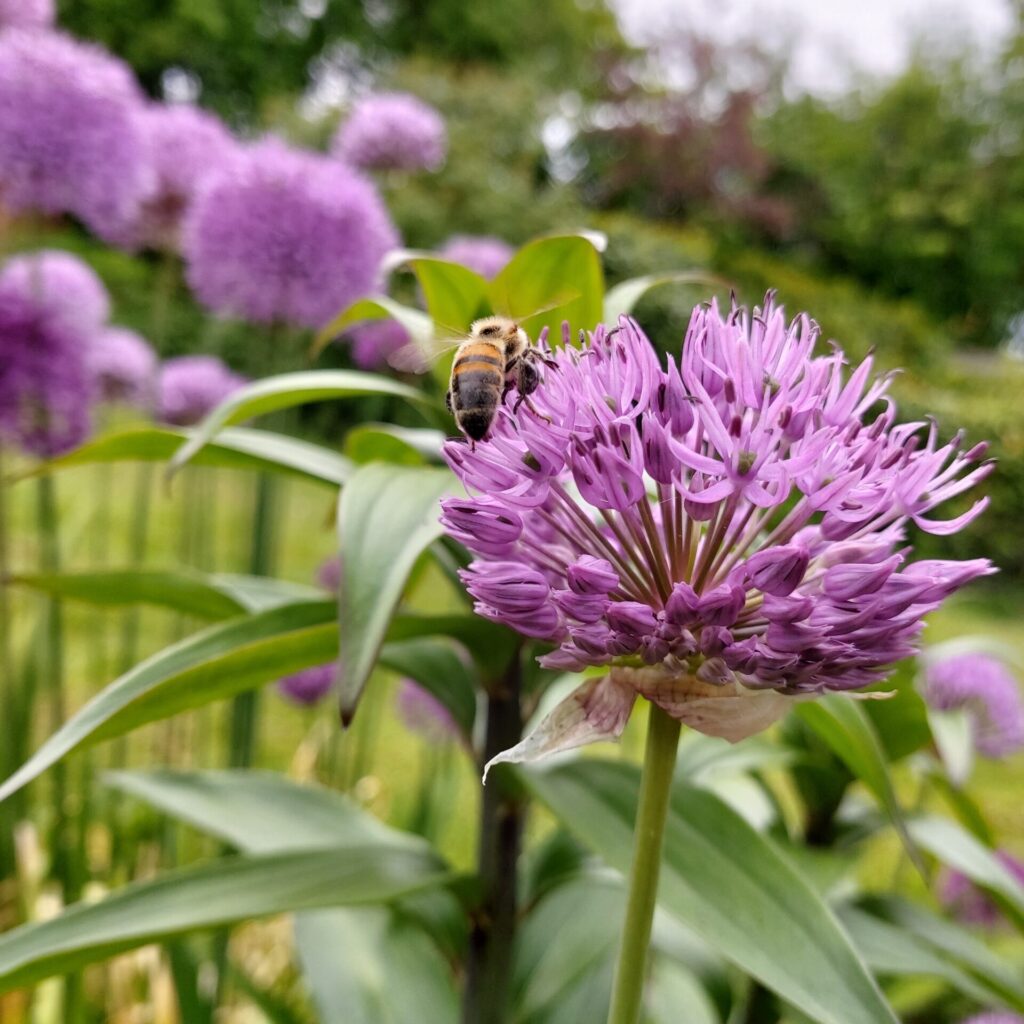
(214,894)
(237,448)
(729,884)
(387,517)
(221,661)
(287,390)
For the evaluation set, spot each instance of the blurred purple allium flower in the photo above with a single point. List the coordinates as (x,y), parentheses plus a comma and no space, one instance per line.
(392,131)
(328,575)
(971,904)
(374,342)
(124,366)
(309,686)
(725,534)
(189,387)
(483,253)
(423,713)
(285,235)
(185,146)
(27,13)
(61,283)
(984,686)
(46,390)
(70,137)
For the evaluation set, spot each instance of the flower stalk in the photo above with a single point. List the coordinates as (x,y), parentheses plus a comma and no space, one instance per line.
(649,832)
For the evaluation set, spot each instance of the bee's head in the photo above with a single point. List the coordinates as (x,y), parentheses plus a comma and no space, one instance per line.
(500,330)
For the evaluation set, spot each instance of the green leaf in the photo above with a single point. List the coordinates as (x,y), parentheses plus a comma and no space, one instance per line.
(285,391)
(955,847)
(966,810)
(184,590)
(260,812)
(379,307)
(729,884)
(454,294)
(890,951)
(491,645)
(438,668)
(387,516)
(239,448)
(954,943)
(842,723)
(219,893)
(205,595)
(953,732)
(675,995)
(225,659)
(263,812)
(901,721)
(623,297)
(382,442)
(369,966)
(562,272)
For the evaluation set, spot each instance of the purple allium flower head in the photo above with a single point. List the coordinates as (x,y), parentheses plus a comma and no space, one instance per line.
(984,686)
(725,533)
(70,137)
(46,389)
(995,1017)
(424,714)
(285,235)
(483,253)
(27,13)
(971,904)
(374,342)
(185,146)
(189,387)
(62,283)
(392,131)
(309,686)
(124,366)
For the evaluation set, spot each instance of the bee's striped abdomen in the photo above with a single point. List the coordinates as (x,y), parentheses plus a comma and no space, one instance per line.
(478,377)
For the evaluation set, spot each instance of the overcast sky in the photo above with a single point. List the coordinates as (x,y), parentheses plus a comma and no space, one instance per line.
(833,36)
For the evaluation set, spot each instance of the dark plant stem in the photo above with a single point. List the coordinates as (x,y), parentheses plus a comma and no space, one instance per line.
(10,689)
(502,811)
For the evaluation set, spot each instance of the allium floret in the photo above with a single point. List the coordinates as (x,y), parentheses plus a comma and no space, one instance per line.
(983,686)
(392,131)
(61,283)
(185,145)
(725,534)
(46,389)
(189,387)
(70,137)
(284,235)
(485,254)
(124,366)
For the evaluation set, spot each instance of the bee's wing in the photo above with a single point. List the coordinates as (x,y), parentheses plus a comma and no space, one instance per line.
(562,299)
(419,356)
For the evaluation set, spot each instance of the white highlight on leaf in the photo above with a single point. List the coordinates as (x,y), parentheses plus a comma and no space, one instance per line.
(597,710)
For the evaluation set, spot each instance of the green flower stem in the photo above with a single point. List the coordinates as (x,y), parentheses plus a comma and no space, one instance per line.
(655,789)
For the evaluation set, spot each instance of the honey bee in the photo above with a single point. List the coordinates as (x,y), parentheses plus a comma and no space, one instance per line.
(496,357)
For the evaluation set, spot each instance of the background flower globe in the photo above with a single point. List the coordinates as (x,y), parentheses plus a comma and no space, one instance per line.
(62,283)
(189,387)
(185,145)
(392,131)
(27,13)
(485,254)
(285,236)
(70,137)
(124,366)
(725,534)
(46,388)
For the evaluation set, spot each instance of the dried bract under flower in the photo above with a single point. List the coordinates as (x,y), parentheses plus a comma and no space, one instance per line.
(728,527)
